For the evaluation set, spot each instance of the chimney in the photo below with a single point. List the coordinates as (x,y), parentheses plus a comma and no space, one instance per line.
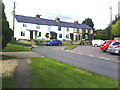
(38,16)
(57,19)
(76,22)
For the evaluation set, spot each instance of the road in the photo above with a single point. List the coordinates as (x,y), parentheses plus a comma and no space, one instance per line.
(83,57)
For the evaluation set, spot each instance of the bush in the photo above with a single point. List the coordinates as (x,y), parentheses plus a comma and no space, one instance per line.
(22,44)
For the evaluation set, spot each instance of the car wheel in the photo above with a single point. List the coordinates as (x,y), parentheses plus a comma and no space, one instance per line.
(59,44)
(119,53)
(105,50)
(95,45)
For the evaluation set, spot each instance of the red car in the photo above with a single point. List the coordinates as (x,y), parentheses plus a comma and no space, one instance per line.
(106,44)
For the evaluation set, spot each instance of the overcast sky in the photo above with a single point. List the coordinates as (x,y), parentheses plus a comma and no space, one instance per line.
(67,10)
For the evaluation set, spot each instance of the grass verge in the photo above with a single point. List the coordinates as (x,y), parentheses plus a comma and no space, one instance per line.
(15,48)
(69,47)
(8,82)
(4,57)
(50,73)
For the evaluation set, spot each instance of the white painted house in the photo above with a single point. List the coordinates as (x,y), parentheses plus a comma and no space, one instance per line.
(38,28)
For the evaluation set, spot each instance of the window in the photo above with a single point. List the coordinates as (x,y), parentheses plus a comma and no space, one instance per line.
(39,34)
(60,35)
(91,31)
(86,30)
(59,28)
(116,43)
(80,30)
(24,25)
(49,27)
(86,36)
(38,26)
(67,29)
(22,33)
(67,36)
(47,35)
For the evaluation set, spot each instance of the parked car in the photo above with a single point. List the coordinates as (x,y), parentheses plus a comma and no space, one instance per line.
(105,45)
(114,47)
(97,43)
(54,42)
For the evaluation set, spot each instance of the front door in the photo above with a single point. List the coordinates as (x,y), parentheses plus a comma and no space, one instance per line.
(35,35)
(31,34)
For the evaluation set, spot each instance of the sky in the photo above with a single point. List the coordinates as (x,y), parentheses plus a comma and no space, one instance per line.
(67,10)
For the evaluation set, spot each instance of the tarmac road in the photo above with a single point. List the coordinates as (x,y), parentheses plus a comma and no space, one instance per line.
(80,59)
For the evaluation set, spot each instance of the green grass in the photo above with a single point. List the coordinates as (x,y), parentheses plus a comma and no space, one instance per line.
(15,48)
(69,47)
(7,57)
(8,82)
(50,73)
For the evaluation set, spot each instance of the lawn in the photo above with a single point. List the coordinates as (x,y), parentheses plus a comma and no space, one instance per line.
(8,82)
(50,73)
(15,48)
(69,47)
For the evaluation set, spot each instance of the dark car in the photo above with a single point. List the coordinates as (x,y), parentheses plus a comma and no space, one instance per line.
(54,43)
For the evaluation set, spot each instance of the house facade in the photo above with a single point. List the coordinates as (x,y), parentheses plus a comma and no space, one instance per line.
(38,28)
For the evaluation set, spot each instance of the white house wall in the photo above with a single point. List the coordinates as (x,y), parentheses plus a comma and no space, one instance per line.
(43,29)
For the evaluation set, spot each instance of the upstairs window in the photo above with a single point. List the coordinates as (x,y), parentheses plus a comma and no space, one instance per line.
(59,28)
(22,33)
(86,31)
(80,30)
(91,31)
(24,25)
(37,26)
(49,27)
(67,29)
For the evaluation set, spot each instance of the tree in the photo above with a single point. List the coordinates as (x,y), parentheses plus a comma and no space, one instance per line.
(6,31)
(117,17)
(89,22)
(102,34)
(116,29)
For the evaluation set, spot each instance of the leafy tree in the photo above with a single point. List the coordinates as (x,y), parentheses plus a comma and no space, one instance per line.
(116,19)
(116,29)
(103,34)
(6,31)
(89,22)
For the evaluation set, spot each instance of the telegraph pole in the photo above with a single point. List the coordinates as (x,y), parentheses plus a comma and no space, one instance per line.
(110,22)
(14,16)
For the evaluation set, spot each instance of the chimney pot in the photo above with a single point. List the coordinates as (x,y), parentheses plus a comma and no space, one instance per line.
(57,19)
(76,22)
(38,16)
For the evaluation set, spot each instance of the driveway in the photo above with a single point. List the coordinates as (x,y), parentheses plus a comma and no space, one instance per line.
(75,57)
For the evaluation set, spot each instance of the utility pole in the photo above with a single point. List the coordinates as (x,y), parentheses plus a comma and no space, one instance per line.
(110,22)
(14,16)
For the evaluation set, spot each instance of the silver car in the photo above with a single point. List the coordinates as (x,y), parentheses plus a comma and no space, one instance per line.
(114,47)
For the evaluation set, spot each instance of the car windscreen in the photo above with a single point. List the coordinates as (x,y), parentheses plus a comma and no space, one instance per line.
(116,43)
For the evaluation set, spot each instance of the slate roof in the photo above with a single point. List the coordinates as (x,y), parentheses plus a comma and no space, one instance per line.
(41,21)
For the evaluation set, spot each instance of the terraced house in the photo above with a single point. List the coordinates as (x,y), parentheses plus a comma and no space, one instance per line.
(27,27)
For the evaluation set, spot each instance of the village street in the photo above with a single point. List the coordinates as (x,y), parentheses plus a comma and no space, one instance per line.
(87,57)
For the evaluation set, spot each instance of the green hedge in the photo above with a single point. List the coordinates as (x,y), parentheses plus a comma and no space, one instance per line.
(22,44)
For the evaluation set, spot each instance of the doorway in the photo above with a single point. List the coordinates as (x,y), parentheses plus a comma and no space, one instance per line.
(31,34)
